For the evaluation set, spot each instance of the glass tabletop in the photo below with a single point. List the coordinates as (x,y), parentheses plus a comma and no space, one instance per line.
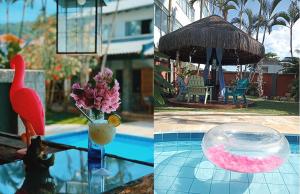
(71,173)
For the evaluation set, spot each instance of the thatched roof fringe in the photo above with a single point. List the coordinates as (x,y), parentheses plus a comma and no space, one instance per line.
(211,32)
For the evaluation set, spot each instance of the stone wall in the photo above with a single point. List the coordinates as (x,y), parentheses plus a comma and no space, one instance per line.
(34,79)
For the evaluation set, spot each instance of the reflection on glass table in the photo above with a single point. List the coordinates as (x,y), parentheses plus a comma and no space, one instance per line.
(71,173)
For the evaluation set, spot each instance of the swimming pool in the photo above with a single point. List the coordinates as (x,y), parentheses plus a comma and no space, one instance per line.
(181,167)
(127,146)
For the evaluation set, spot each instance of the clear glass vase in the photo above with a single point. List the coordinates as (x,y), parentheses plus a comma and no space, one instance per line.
(100,134)
(96,151)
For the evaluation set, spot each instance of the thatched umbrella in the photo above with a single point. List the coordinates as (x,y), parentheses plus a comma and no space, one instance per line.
(211,32)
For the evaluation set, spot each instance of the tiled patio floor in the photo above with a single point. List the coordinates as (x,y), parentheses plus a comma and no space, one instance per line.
(192,121)
(180,167)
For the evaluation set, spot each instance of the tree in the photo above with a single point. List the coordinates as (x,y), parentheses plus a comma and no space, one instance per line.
(270,18)
(290,18)
(225,6)
(26,3)
(8,3)
(262,5)
(241,5)
(249,25)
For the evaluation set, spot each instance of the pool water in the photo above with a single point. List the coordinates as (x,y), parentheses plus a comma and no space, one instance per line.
(181,167)
(132,147)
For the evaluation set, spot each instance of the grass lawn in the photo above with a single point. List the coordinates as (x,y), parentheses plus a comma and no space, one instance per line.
(64,118)
(261,106)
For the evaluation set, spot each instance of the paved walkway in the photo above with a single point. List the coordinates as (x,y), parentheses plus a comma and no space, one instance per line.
(137,128)
(191,121)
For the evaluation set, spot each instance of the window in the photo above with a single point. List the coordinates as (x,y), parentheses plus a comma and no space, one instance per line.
(161,18)
(138,27)
(187,8)
(177,25)
(146,26)
(132,28)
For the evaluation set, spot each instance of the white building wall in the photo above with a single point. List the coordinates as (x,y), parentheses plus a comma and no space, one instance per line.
(273,68)
(141,13)
(179,15)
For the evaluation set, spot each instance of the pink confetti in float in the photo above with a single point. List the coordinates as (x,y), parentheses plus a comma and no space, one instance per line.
(226,160)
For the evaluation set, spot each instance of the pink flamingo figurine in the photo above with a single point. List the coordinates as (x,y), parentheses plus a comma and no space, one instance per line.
(26,102)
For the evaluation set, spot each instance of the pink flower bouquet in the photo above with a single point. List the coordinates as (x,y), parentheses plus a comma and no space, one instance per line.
(99,95)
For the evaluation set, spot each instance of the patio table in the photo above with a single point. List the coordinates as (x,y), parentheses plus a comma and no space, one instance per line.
(72,173)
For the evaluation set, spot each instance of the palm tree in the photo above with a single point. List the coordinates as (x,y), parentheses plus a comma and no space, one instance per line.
(270,18)
(249,25)
(241,5)
(213,4)
(262,5)
(225,6)
(290,18)
(25,4)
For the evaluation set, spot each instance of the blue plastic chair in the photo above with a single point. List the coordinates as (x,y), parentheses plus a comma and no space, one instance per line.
(182,89)
(238,90)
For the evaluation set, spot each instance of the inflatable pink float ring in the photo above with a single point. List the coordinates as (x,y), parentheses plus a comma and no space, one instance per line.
(245,148)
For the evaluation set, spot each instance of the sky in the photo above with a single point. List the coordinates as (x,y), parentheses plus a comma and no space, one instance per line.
(31,14)
(277,41)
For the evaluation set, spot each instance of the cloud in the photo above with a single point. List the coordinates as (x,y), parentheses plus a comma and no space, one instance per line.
(279,41)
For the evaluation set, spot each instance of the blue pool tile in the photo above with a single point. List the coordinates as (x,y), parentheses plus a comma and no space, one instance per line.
(168,153)
(278,189)
(196,154)
(170,170)
(239,177)
(170,136)
(274,178)
(184,137)
(200,187)
(206,164)
(290,179)
(286,168)
(181,184)
(197,136)
(221,175)
(293,189)
(196,147)
(257,178)
(163,182)
(256,188)
(170,148)
(192,162)
(187,172)
(183,153)
(294,159)
(184,143)
(296,168)
(238,188)
(218,187)
(164,159)
(160,191)
(176,192)
(203,174)
(158,137)
(184,148)
(158,169)
(177,161)
(292,138)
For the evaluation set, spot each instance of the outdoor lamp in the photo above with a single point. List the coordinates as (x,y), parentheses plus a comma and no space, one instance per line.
(78,26)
